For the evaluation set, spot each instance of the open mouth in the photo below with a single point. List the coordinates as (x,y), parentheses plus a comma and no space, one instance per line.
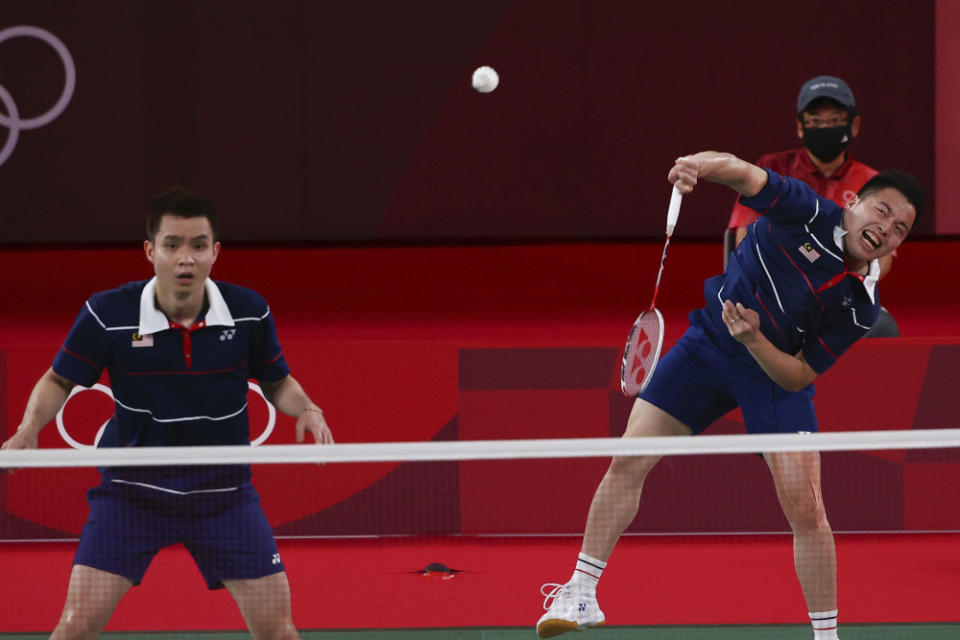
(185,277)
(871,239)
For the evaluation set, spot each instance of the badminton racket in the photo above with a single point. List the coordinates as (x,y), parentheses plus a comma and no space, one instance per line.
(642,351)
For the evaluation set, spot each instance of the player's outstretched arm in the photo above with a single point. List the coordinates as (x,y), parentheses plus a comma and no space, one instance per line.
(289,397)
(743,177)
(46,399)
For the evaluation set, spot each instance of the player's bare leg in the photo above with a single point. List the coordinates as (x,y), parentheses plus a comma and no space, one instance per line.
(573,605)
(92,596)
(797,479)
(617,499)
(265,606)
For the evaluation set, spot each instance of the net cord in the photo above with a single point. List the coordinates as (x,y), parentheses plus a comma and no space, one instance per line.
(480,449)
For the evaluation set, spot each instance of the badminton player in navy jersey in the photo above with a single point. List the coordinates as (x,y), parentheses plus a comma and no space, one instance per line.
(798,291)
(179,350)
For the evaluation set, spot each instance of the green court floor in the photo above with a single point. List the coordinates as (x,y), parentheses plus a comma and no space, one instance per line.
(750,632)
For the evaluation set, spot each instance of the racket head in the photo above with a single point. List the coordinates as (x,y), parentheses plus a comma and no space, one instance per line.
(641,353)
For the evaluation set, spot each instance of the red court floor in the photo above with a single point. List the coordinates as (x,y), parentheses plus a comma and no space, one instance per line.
(651,580)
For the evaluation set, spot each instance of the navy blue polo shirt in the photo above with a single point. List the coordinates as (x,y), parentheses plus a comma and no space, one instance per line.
(173,386)
(790,270)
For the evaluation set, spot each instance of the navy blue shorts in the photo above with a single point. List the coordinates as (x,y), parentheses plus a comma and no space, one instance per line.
(697,383)
(227,533)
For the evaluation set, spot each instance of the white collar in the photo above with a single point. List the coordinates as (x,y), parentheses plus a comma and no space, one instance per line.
(870,281)
(838,233)
(153,320)
(873,273)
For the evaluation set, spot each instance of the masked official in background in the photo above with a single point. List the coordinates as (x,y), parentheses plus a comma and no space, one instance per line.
(827,122)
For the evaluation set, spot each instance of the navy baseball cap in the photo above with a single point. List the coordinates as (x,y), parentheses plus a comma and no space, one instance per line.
(825,87)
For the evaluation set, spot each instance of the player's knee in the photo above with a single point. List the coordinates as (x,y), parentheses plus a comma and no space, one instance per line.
(630,469)
(805,513)
(75,624)
(282,631)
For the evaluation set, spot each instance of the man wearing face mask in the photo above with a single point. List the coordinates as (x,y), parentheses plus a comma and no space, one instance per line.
(827,122)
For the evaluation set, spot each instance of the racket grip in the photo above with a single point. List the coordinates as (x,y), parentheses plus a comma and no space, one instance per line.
(673,211)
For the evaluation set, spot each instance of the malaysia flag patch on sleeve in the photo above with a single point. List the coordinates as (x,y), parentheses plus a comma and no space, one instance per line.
(809,252)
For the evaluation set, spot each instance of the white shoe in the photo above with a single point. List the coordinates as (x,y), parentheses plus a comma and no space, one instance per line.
(572,609)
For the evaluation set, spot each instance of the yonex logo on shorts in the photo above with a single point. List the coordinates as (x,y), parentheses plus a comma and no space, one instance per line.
(227,334)
(276,559)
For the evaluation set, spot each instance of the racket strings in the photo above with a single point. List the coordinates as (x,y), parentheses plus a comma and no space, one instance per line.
(641,352)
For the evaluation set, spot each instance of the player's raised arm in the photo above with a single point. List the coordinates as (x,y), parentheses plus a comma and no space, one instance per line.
(46,399)
(741,176)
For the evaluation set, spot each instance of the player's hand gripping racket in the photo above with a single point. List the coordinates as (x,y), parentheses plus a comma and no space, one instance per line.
(642,351)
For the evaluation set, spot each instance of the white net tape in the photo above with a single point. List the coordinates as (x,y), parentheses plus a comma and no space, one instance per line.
(483,449)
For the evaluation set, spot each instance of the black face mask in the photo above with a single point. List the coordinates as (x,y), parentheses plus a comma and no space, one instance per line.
(826,143)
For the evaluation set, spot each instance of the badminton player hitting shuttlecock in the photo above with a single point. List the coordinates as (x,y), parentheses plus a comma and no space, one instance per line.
(798,291)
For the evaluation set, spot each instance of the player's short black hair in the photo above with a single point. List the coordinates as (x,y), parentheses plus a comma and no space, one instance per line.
(903,182)
(180,202)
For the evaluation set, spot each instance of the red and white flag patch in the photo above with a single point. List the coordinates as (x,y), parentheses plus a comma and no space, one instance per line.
(142,341)
(809,252)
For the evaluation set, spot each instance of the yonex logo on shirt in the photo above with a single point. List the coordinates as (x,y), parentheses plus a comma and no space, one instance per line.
(227,334)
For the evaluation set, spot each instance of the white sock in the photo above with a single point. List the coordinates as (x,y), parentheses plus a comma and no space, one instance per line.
(824,625)
(588,571)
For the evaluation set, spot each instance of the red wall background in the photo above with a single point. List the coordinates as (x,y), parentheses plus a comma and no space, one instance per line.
(501,342)
(332,122)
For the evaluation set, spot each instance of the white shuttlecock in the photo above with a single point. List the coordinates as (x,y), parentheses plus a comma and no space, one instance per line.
(485,79)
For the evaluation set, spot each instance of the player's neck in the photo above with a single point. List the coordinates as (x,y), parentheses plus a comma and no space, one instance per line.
(182,309)
(858,266)
(827,168)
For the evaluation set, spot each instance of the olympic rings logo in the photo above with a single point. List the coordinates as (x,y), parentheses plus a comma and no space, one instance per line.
(12,120)
(102,388)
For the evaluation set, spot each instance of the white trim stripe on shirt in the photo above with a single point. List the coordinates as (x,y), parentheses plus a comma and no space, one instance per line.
(854,313)
(100,322)
(253,319)
(174,491)
(769,278)
(820,244)
(185,419)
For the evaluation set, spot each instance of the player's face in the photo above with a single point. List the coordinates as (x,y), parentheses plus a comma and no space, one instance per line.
(877,224)
(182,253)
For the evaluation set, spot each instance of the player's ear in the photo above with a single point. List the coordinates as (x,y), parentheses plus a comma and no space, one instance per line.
(216,251)
(148,250)
(852,201)
(855,126)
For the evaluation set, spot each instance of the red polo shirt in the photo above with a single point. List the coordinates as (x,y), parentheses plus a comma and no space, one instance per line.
(844,182)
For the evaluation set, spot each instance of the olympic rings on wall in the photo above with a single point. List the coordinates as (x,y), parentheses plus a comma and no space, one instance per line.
(61,427)
(271,416)
(11,119)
